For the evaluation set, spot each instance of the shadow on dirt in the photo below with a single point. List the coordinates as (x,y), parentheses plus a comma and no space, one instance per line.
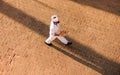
(90,58)
(112,6)
(85,55)
(44,4)
(23,18)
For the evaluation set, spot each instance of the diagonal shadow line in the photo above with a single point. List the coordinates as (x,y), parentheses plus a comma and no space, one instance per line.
(112,6)
(93,60)
(90,58)
(44,4)
(23,18)
(77,58)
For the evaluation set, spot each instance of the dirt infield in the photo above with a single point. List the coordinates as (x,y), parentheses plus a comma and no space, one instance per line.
(93,26)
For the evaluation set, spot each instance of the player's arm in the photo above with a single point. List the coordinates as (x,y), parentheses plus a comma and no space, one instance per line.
(52,32)
(62,33)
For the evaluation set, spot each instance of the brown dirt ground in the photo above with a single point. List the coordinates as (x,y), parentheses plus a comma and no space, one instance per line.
(94,29)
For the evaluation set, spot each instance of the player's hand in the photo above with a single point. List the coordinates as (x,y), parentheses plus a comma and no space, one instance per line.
(62,33)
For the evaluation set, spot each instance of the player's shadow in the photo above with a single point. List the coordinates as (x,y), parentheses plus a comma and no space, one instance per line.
(112,6)
(77,51)
(87,56)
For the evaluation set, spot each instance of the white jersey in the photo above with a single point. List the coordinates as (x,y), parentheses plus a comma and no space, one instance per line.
(54,29)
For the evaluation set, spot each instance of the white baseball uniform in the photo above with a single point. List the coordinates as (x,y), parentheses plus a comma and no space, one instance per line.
(55,29)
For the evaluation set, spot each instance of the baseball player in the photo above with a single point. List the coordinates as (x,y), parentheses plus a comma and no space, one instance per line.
(55,32)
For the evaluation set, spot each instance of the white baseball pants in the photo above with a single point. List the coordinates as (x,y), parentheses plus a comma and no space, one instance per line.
(61,38)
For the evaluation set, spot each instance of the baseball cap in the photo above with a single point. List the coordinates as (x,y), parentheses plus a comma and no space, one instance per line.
(54,18)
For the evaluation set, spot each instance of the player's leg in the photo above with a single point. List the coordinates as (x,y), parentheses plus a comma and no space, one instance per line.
(64,40)
(50,39)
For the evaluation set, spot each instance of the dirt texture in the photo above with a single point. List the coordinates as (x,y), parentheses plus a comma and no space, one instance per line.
(92,25)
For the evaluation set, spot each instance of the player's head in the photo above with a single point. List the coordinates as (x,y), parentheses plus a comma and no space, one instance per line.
(54,18)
